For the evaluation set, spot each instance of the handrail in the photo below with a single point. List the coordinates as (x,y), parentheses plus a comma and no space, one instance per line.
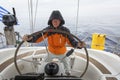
(1,40)
(114,48)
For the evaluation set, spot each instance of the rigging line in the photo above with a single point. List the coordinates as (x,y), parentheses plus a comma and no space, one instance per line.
(45,46)
(31,4)
(30,9)
(33,17)
(35,13)
(77,16)
(45,43)
(29,12)
(30,18)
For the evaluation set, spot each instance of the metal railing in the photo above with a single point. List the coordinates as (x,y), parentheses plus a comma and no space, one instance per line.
(112,43)
(2,41)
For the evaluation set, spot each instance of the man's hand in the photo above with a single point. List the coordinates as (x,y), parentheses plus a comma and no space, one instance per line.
(26,38)
(81,45)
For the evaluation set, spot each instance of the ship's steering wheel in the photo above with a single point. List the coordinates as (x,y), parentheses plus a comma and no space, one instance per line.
(52,30)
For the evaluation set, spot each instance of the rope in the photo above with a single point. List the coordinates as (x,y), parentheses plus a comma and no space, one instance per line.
(30,9)
(35,13)
(32,15)
(29,12)
(77,17)
(45,44)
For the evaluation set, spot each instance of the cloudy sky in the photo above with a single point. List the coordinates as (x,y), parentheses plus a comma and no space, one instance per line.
(68,8)
(87,7)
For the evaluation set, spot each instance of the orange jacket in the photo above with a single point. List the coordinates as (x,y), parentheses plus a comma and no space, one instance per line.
(56,42)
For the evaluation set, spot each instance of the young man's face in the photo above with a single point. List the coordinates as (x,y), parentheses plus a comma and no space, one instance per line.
(56,22)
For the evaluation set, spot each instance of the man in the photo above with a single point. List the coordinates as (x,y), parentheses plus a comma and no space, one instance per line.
(56,41)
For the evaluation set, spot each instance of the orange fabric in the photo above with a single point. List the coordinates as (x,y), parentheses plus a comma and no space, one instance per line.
(68,42)
(57,50)
(41,38)
(56,43)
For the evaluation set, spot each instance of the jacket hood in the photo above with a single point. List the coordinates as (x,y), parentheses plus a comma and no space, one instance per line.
(56,15)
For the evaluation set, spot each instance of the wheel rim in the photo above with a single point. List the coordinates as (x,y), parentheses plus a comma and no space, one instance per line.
(52,30)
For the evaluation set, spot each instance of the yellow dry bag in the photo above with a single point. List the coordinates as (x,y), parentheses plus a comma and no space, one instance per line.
(98,41)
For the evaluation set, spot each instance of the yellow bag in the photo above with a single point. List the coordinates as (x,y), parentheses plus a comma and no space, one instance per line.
(98,41)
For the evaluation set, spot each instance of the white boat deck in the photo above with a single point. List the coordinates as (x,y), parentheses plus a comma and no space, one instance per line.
(104,63)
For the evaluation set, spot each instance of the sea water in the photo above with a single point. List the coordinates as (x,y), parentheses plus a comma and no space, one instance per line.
(110,26)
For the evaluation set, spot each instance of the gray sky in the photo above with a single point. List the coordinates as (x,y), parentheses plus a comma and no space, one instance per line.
(68,8)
